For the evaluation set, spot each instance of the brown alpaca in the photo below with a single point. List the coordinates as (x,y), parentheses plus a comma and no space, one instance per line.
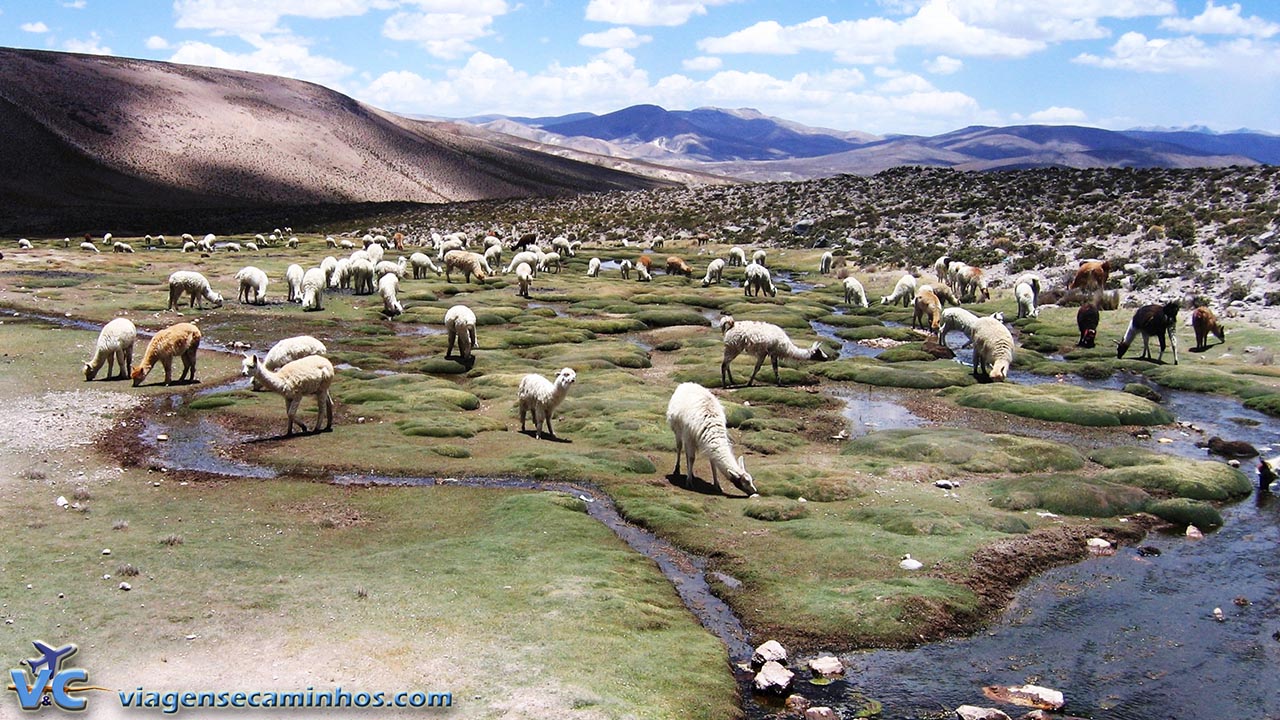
(1203,322)
(677,266)
(927,306)
(179,340)
(1092,276)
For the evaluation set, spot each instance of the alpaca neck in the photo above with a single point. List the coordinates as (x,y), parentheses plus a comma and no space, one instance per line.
(268,379)
(796,352)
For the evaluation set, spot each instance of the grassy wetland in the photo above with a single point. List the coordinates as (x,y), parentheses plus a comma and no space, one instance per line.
(511,596)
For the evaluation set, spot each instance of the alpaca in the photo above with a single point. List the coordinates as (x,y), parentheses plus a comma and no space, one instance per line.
(715,270)
(926,305)
(524,256)
(540,396)
(311,375)
(697,419)
(757,279)
(593,267)
(468,262)
(758,258)
(854,293)
(624,268)
(313,286)
(421,263)
(179,340)
(115,348)
(1091,276)
(253,285)
(762,340)
(524,276)
(677,266)
(1203,322)
(387,286)
(193,284)
(293,278)
(904,290)
(460,321)
(1158,320)
(824,264)
(992,349)
(1025,295)
(1087,322)
(288,350)
(737,257)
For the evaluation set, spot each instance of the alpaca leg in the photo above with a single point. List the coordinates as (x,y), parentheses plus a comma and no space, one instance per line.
(759,362)
(328,408)
(168,370)
(291,408)
(726,371)
(452,335)
(690,452)
(679,449)
(321,397)
(524,408)
(550,433)
(1173,341)
(774,359)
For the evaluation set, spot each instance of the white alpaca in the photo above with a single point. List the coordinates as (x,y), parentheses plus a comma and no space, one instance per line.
(449,246)
(593,267)
(715,270)
(737,257)
(188,246)
(992,349)
(1035,281)
(524,277)
(460,322)
(524,256)
(397,268)
(115,348)
(762,340)
(904,291)
(466,261)
(24,244)
(311,375)
(387,286)
(293,278)
(361,272)
(493,254)
(540,396)
(313,286)
(642,273)
(375,252)
(253,285)
(89,247)
(288,350)
(251,246)
(121,247)
(954,318)
(193,284)
(561,245)
(624,267)
(758,258)
(291,243)
(757,279)
(697,419)
(824,264)
(1026,297)
(854,293)
(421,263)
(179,340)
(550,260)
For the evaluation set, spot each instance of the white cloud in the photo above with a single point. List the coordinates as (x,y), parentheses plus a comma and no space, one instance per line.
(155,42)
(90,46)
(249,17)
(446,27)
(702,63)
(944,65)
(1222,20)
(1135,51)
(1054,21)
(649,12)
(1058,116)
(618,37)
(34,27)
(75,4)
(284,56)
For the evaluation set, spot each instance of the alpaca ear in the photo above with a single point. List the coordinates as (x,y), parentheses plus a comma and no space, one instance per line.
(742,463)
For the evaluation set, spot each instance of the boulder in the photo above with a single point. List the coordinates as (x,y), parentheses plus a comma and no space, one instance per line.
(827,666)
(771,651)
(820,713)
(796,703)
(773,678)
(1026,695)
(973,712)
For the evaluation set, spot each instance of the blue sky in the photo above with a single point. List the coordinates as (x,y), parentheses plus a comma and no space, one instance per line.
(880,66)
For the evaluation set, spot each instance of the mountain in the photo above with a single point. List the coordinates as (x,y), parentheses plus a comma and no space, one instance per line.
(91,131)
(1255,145)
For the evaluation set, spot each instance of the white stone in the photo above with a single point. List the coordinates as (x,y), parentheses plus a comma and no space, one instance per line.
(125,586)
(771,651)
(973,712)
(827,666)
(773,678)
(820,713)
(1194,533)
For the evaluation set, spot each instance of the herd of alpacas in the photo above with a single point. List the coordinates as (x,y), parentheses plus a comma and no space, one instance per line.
(297,367)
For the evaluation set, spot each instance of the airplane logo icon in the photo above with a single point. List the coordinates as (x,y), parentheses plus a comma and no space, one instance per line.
(51,658)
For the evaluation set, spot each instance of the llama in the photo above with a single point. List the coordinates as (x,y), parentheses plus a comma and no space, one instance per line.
(904,290)
(193,284)
(115,348)
(1158,320)
(1087,323)
(854,293)
(460,321)
(757,279)
(762,340)
(288,350)
(311,375)
(1203,322)
(178,340)
(992,349)
(697,419)
(541,397)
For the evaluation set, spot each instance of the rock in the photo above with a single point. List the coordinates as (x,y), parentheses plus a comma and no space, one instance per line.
(1026,695)
(162,437)
(1231,448)
(1219,615)
(827,666)
(773,678)
(126,586)
(1149,551)
(945,484)
(106,551)
(1241,601)
(771,651)
(1193,533)
(796,703)
(973,712)
(61,502)
(820,713)
(1100,547)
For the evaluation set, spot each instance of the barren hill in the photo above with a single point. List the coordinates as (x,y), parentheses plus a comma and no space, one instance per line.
(89,131)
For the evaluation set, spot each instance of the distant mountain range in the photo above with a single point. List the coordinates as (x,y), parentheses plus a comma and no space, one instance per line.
(748,145)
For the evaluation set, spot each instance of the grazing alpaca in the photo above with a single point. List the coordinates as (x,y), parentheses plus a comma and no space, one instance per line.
(1158,320)
(697,419)
(677,266)
(854,293)
(715,270)
(114,347)
(310,375)
(904,290)
(926,305)
(757,280)
(540,396)
(195,286)
(1087,322)
(460,321)
(179,340)
(762,340)
(1091,276)
(992,349)
(1203,322)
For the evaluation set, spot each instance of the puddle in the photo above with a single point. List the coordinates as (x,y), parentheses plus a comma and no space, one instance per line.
(558,308)
(869,408)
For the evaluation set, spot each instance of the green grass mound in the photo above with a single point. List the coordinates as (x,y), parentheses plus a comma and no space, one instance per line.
(218,400)
(781,317)
(967,450)
(608,326)
(602,354)
(773,442)
(775,510)
(908,374)
(1062,403)
(1198,378)
(439,366)
(668,346)
(765,395)
(680,298)
(1172,475)
(1269,404)
(803,481)
(908,521)
(709,376)
(1067,495)
(447,425)
(1142,391)
(1183,511)
(911,352)
(670,317)
(451,451)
